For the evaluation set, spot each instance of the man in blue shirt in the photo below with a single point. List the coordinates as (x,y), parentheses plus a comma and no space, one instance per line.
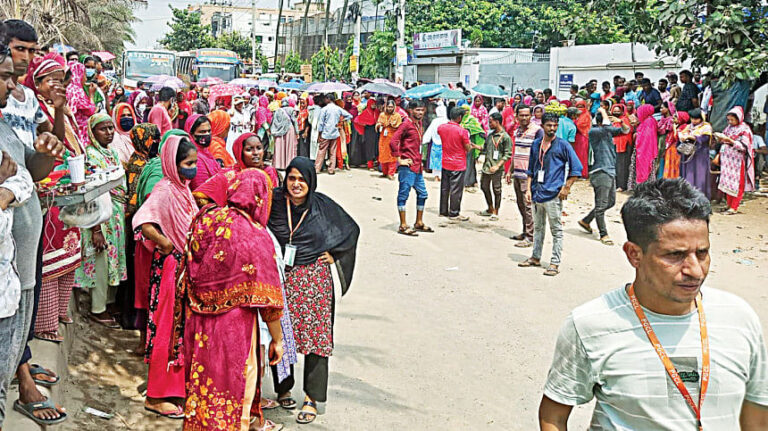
(650,95)
(329,133)
(631,94)
(551,158)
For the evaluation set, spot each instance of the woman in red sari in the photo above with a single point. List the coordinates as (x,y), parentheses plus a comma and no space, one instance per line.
(230,276)
(581,145)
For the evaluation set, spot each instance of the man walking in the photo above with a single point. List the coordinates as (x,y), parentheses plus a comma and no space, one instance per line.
(602,171)
(406,147)
(328,139)
(548,188)
(497,150)
(158,115)
(517,174)
(456,144)
(201,105)
(664,352)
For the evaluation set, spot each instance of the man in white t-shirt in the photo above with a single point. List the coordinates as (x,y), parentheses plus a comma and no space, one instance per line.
(711,341)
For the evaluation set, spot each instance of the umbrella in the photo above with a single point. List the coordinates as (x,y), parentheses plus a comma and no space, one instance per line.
(490,90)
(166,81)
(223,90)
(386,81)
(299,80)
(290,85)
(244,82)
(328,87)
(207,82)
(104,55)
(266,83)
(62,49)
(424,91)
(157,78)
(382,88)
(449,94)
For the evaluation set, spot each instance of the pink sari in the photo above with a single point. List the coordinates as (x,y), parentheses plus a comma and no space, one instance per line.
(737,157)
(646,143)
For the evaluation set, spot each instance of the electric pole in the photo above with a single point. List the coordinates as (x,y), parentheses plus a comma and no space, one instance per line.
(401,55)
(253,37)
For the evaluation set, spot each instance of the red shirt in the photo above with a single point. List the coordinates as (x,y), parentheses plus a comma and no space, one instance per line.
(406,143)
(454,138)
(158,116)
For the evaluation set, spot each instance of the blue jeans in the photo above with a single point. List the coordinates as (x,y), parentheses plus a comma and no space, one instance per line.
(410,180)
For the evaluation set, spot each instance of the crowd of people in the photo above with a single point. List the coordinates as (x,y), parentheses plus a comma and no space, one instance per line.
(218,232)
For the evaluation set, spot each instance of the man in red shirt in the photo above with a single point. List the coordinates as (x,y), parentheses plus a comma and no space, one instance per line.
(159,113)
(456,144)
(406,147)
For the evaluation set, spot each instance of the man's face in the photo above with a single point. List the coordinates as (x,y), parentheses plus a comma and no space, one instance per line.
(606,87)
(524,117)
(674,266)
(494,124)
(204,93)
(418,113)
(662,86)
(550,128)
(616,81)
(500,105)
(22,53)
(6,80)
(72,57)
(684,78)
(647,87)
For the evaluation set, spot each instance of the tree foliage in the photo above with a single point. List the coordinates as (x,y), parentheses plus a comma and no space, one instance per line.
(234,41)
(327,63)
(293,63)
(376,57)
(187,32)
(726,36)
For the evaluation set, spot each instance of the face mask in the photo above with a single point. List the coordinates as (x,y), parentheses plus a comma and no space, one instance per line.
(188,173)
(142,108)
(127,123)
(89,73)
(203,140)
(153,150)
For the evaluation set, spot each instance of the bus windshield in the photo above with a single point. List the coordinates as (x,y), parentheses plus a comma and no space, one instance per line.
(225,72)
(144,64)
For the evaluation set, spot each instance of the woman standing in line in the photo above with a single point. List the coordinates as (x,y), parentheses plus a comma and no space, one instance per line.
(283,130)
(198,128)
(387,125)
(695,168)
(314,232)
(737,160)
(124,119)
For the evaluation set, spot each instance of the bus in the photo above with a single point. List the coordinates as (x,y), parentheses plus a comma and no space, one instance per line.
(139,64)
(209,63)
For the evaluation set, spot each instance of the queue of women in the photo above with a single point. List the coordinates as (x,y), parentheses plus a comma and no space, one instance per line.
(225,266)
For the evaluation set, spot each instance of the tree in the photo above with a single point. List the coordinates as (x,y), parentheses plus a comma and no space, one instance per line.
(110,23)
(726,36)
(234,41)
(328,63)
(377,56)
(277,31)
(293,63)
(187,32)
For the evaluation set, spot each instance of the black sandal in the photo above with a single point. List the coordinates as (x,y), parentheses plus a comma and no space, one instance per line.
(302,418)
(422,228)
(287,403)
(404,230)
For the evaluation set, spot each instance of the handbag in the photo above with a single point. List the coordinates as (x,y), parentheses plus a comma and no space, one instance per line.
(686,148)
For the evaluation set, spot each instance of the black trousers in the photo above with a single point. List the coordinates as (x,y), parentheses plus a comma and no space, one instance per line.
(470,175)
(623,161)
(315,378)
(303,148)
(604,186)
(485,185)
(451,191)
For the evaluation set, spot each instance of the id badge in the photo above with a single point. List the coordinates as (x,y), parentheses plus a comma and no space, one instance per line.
(540,177)
(386,132)
(290,254)
(495,154)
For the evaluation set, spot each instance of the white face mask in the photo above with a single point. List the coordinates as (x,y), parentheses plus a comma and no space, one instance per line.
(142,108)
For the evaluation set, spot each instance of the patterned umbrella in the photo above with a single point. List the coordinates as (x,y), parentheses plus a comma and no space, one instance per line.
(168,81)
(382,88)
(266,83)
(328,87)
(208,82)
(223,90)
(386,81)
(244,82)
(290,85)
(104,55)
(424,91)
(490,90)
(449,94)
(158,78)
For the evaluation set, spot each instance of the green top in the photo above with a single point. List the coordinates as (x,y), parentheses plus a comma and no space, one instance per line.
(497,144)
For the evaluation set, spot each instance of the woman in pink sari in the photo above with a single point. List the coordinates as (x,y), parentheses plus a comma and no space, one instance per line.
(480,112)
(229,278)
(79,103)
(646,146)
(737,160)
(164,220)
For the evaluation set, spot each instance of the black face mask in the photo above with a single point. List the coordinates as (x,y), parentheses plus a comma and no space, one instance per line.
(203,140)
(153,148)
(127,123)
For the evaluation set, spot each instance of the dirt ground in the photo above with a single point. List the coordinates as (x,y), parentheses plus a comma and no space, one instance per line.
(442,331)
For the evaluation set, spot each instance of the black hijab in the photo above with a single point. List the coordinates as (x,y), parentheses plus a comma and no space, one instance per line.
(326,227)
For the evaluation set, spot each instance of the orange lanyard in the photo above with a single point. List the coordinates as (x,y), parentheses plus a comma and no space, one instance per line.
(496,141)
(290,220)
(543,154)
(670,367)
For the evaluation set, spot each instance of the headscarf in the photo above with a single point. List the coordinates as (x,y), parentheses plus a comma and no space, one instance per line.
(143,141)
(368,117)
(476,131)
(303,116)
(646,142)
(527,100)
(106,156)
(281,123)
(584,121)
(122,142)
(81,106)
(263,114)
(741,152)
(480,112)
(534,120)
(117,112)
(220,121)
(326,226)
(207,166)
(153,170)
(624,140)
(171,205)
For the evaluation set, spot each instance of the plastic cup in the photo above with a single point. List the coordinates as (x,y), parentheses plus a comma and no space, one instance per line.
(77,169)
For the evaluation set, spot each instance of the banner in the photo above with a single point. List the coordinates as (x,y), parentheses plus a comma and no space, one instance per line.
(437,42)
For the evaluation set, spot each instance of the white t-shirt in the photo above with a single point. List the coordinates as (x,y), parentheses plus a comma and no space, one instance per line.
(24,117)
(603,352)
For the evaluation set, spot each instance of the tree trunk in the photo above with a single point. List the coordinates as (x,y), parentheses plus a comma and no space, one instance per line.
(327,17)
(302,50)
(376,19)
(341,24)
(277,32)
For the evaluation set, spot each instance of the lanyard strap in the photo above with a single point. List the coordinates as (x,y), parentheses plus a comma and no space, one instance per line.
(668,365)
(496,141)
(543,154)
(290,220)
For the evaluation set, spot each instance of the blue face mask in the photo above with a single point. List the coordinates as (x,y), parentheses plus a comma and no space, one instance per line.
(126,123)
(89,73)
(188,173)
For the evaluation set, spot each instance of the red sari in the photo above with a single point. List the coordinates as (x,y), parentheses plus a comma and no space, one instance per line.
(581,145)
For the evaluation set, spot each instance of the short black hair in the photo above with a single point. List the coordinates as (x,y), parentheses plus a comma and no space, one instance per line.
(185,147)
(166,94)
(549,117)
(71,53)
(496,116)
(547,90)
(520,107)
(200,120)
(88,58)
(664,80)
(21,30)
(416,103)
(659,202)
(330,97)
(575,87)
(637,74)
(645,81)
(696,113)
(686,72)
(457,113)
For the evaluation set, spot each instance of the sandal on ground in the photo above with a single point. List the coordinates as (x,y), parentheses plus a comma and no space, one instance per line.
(403,230)
(287,403)
(485,213)
(29,410)
(35,369)
(51,337)
(270,404)
(66,320)
(423,228)
(552,271)
(109,323)
(731,211)
(518,237)
(524,243)
(606,240)
(177,413)
(527,263)
(268,425)
(585,226)
(494,217)
(459,218)
(306,417)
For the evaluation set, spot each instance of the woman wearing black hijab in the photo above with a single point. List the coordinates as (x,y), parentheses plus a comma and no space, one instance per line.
(314,232)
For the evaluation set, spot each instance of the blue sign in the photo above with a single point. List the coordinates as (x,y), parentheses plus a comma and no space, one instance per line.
(466,80)
(566,80)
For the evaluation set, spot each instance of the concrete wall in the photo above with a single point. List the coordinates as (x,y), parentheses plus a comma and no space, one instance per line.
(514,76)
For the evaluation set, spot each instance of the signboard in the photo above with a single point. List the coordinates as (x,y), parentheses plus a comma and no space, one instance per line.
(566,80)
(306,70)
(437,42)
(353,64)
(401,58)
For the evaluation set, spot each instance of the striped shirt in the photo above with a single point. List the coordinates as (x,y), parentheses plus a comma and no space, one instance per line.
(602,352)
(521,148)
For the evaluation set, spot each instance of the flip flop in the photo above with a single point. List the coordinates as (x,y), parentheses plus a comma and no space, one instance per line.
(110,323)
(271,404)
(585,227)
(423,228)
(406,231)
(528,263)
(606,240)
(552,271)
(56,340)
(29,409)
(287,403)
(66,320)
(178,413)
(37,369)
(268,425)
(302,416)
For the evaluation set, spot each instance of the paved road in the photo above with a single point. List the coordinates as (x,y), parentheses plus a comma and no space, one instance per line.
(442,331)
